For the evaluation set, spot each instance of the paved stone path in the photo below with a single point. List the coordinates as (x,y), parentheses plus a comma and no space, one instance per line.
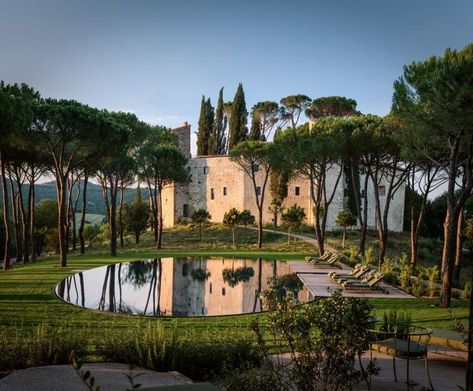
(109,376)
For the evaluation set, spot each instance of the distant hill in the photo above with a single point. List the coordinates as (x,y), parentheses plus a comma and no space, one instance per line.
(95,204)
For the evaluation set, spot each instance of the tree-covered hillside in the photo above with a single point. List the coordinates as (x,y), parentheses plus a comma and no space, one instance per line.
(95,204)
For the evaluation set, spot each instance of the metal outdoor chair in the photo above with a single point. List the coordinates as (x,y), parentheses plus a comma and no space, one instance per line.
(404,341)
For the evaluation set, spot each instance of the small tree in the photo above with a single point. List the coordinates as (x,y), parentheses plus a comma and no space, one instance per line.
(293,218)
(200,216)
(136,216)
(345,219)
(246,218)
(231,218)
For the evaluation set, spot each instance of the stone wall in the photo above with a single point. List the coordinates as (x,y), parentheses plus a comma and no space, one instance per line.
(219,184)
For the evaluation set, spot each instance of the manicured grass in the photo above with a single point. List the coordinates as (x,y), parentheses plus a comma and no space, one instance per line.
(27,294)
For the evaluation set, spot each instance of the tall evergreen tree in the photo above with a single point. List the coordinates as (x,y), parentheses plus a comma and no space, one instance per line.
(217,139)
(205,126)
(209,122)
(255,131)
(238,118)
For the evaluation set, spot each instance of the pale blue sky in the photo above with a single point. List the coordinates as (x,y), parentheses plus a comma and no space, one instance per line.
(157,58)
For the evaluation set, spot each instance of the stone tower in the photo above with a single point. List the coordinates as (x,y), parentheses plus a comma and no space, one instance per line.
(183,134)
(175,196)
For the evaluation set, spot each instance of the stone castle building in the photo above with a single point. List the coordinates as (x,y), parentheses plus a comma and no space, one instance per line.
(219,184)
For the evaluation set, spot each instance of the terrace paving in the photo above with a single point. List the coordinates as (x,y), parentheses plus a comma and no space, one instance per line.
(321,285)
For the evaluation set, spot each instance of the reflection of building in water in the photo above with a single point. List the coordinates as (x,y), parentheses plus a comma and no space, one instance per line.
(188,292)
(176,287)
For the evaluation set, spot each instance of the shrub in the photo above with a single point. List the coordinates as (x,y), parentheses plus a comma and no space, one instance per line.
(432,275)
(418,288)
(467,290)
(43,345)
(353,255)
(200,357)
(456,293)
(399,320)
(369,258)
(323,340)
(404,274)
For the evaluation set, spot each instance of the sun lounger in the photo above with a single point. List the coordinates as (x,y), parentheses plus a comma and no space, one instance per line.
(330,262)
(359,266)
(366,284)
(363,274)
(324,257)
(363,277)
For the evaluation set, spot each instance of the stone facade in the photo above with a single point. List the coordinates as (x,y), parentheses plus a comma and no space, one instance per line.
(219,184)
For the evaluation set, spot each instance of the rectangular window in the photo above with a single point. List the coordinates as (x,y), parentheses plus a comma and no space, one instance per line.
(382,190)
(210,288)
(185,210)
(212,194)
(224,191)
(206,169)
(255,167)
(297,190)
(362,193)
(258,191)
(223,292)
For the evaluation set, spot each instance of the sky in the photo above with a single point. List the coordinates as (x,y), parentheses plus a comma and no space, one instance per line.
(157,58)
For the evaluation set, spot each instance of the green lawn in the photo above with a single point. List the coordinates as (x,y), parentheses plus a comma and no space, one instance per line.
(27,294)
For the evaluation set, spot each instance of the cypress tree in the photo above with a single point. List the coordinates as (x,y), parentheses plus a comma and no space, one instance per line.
(206,120)
(209,123)
(202,139)
(255,131)
(217,139)
(238,118)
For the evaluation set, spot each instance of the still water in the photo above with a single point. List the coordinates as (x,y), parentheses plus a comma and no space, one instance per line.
(180,286)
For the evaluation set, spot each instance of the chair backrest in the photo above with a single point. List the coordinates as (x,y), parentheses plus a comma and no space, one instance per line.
(361,271)
(356,268)
(377,277)
(334,258)
(369,275)
(327,254)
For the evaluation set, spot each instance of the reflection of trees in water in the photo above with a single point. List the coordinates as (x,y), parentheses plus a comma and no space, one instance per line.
(109,280)
(259,288)
(240,274)
(139,273)
(154,292)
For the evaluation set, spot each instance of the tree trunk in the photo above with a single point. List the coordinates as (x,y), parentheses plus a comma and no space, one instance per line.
(83,213)
(120,215)
(6,220)
(153,196)
(137,237)
(16,223)
(364,224)
(458,248)
(469,369)
(113,219)
(233,236)
(62,213)
(318,232)
(160,219)
(448,256)
(260,226)
(70,186)
(32,196)
(24,224)
(289,236)
(344,236)
(74,212)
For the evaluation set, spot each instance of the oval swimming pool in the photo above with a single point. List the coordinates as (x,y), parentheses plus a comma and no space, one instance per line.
(167,287)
